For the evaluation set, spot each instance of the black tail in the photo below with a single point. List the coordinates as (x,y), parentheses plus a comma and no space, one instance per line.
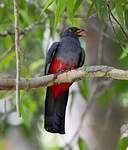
(55,112)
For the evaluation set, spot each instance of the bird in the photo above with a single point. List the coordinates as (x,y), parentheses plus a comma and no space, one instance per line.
(64,55)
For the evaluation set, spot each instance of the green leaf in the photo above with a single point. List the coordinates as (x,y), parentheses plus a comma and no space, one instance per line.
(49,2)
(70,6)
(56,148)
(70,148)
(8,58)
(25,17)
(126,18)
(8,41)
(82,145)
(77,5)
(124,53)
(74,22)
(101,8)
(84,88)
(106,96)
(36,64)
(123,144)
(60,5)
(90,10)
(119,7)
(120,87)
(116,90)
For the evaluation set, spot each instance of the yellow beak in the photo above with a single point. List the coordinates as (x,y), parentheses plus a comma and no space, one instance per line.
(81,32)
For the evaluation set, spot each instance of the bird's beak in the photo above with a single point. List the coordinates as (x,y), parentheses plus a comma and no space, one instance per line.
(81,33)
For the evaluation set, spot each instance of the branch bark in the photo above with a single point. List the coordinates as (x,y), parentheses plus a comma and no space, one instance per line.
(66,77)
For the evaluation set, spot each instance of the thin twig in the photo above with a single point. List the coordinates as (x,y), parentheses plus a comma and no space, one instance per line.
(110,13)
(6,33)
(24,31)
(17,49)
(119,25)
(7,52)
(107,35)
(30,27)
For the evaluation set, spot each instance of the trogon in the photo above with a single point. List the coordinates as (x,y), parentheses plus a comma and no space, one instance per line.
(64,55)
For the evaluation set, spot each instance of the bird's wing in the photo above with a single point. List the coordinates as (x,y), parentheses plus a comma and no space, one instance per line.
(81,58)
(50,54)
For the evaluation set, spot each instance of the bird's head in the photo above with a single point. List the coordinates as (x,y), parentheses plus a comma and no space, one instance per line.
(75,32)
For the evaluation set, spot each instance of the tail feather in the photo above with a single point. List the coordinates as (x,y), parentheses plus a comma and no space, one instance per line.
(55,112)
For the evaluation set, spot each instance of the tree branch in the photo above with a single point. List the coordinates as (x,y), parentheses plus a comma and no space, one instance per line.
(27,29)
(17,49)
(66,77)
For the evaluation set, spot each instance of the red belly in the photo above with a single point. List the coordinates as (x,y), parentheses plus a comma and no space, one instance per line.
(56,66)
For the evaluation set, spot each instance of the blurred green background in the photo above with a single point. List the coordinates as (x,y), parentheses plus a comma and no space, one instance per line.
(105,125)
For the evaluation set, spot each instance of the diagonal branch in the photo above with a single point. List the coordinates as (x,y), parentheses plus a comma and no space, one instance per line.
(66,77)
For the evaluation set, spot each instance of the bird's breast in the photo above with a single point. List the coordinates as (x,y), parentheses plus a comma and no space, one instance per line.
(58,65)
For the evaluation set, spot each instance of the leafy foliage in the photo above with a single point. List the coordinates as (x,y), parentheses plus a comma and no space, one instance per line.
(101,8)
(54,15)
(60,5)
(123,144)
(82,145)
(125,52)
(84,88)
